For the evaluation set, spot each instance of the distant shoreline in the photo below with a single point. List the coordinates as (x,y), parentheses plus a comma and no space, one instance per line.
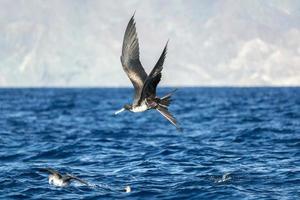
(166,87)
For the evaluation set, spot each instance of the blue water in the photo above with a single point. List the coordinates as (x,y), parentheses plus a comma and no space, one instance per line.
(236,143)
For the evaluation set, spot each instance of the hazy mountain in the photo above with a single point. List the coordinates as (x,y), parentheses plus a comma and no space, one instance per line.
(78,43)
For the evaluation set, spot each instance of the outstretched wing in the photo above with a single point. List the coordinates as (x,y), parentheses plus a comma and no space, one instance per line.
(149,88)
(70,177)
(168,116)
(130,59)
(51,171)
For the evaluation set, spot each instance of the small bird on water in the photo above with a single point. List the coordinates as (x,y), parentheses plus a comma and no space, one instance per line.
(144,85)
(57,179)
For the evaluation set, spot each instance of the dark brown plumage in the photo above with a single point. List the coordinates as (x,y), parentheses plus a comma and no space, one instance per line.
(144,85)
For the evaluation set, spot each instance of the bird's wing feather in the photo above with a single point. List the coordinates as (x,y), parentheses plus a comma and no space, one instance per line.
(164,112)
(70,177)
(149,88)
(51,171)
(130,59)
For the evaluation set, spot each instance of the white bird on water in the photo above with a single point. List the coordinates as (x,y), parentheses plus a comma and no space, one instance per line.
(57,179)
(60,180)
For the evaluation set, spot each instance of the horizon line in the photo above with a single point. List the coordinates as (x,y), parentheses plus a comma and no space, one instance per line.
(128,87)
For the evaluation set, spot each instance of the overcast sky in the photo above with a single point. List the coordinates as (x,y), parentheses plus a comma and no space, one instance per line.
(212,43)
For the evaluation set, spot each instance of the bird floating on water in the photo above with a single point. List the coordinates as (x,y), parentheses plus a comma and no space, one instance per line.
(127,189)
(57,179)
(144,85)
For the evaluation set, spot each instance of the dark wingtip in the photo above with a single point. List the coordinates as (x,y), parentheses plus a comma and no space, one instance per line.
(132,20)
(41,169)
(179,129)
(166,46)
(174,90)
(132,17)
(45,170)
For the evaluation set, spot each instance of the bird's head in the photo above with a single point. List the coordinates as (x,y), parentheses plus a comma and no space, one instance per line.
(51,179)
(125,107)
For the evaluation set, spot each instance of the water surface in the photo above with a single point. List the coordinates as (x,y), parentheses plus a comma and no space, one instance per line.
(236,143)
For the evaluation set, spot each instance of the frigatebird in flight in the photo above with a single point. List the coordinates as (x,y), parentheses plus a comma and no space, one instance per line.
(144,85)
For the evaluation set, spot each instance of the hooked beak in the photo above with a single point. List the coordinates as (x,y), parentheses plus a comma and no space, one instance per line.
(119,111)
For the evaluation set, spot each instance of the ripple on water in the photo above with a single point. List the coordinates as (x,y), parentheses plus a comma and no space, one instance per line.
(236,143)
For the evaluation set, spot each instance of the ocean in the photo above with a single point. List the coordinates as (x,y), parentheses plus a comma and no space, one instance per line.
(235,143)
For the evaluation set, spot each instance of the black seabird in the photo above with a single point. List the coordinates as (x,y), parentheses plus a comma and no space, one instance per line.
(144,85)
(57,179)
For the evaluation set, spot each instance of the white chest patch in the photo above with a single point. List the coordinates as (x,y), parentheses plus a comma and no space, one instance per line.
(53,180)
(143,107)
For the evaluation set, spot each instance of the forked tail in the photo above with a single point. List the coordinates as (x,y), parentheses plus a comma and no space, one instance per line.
(166,100)
(162,108)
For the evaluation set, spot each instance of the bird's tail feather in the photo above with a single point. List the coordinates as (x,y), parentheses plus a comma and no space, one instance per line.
(166,100)
(162,108)
(164,112)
